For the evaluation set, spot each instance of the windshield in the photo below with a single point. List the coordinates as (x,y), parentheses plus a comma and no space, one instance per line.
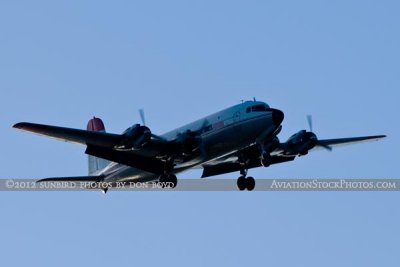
(257,108)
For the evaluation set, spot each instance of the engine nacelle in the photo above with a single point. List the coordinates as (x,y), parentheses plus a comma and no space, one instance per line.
(266,150)
(134,137)
(302,142)
(189,141)
(271,145)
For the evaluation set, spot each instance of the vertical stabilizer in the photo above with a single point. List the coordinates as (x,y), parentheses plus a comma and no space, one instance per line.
(96,164)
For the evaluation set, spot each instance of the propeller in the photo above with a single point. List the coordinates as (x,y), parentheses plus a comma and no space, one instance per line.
(203,126)
(142,118)
(324,146)
(141,113)
(201,146)
(317,142)
(191,139)
(309,120)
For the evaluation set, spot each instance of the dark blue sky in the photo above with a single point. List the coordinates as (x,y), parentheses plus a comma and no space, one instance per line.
(62,62)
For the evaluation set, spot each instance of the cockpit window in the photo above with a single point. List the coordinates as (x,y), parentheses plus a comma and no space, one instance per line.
(257,108)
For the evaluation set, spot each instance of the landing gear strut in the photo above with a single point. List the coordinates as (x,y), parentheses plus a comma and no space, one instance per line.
(168,178)
(265,159)
(245,183)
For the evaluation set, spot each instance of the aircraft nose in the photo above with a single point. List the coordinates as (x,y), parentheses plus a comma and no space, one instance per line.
(277,116)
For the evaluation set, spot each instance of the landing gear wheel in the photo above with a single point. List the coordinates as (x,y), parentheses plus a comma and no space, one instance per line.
(250,183)
(169,180)
(172,178)
(242,183)
(246,183)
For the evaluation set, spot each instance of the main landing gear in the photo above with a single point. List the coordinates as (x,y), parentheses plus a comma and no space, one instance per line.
(168,180)
(245,183)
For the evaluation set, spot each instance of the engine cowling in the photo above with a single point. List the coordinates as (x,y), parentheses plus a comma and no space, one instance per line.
(266,150)
(188,141)
(271,145)
(302,142)
(135,137)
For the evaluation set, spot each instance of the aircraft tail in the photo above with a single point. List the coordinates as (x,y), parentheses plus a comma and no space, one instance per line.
(96,164)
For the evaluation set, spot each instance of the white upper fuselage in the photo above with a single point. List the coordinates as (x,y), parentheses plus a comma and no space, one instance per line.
(220,119)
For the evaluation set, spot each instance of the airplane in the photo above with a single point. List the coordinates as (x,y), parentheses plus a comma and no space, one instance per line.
(236,139)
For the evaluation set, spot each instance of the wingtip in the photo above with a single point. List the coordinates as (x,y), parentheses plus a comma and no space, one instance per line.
(19,125)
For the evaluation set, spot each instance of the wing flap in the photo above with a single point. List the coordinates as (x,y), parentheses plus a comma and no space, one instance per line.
(233,166)
(132,159)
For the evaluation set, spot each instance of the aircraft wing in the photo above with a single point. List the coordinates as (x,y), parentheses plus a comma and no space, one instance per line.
(230,163)
(136,159)
(233,165)
(83,137)
(349,141)
(71,135)
(101,144)
(290,148)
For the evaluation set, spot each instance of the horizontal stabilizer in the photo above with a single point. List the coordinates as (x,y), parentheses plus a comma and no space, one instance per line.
(73,179)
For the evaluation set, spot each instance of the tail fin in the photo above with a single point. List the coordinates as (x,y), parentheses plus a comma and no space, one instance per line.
(96,164)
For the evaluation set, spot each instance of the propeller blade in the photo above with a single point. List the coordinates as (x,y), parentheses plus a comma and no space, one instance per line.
(159,137)
(324,146)
(141,113)
(203,125)
(309,120)
(201,145)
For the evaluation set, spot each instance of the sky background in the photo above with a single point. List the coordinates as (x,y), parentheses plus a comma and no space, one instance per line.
(62,62)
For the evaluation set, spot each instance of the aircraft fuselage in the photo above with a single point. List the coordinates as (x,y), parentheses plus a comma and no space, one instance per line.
(224,132)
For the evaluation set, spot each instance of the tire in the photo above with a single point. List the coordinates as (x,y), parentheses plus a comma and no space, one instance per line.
(250,183)
(172,179)
(241,183)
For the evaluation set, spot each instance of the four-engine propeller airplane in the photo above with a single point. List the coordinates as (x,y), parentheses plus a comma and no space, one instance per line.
(238,138)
